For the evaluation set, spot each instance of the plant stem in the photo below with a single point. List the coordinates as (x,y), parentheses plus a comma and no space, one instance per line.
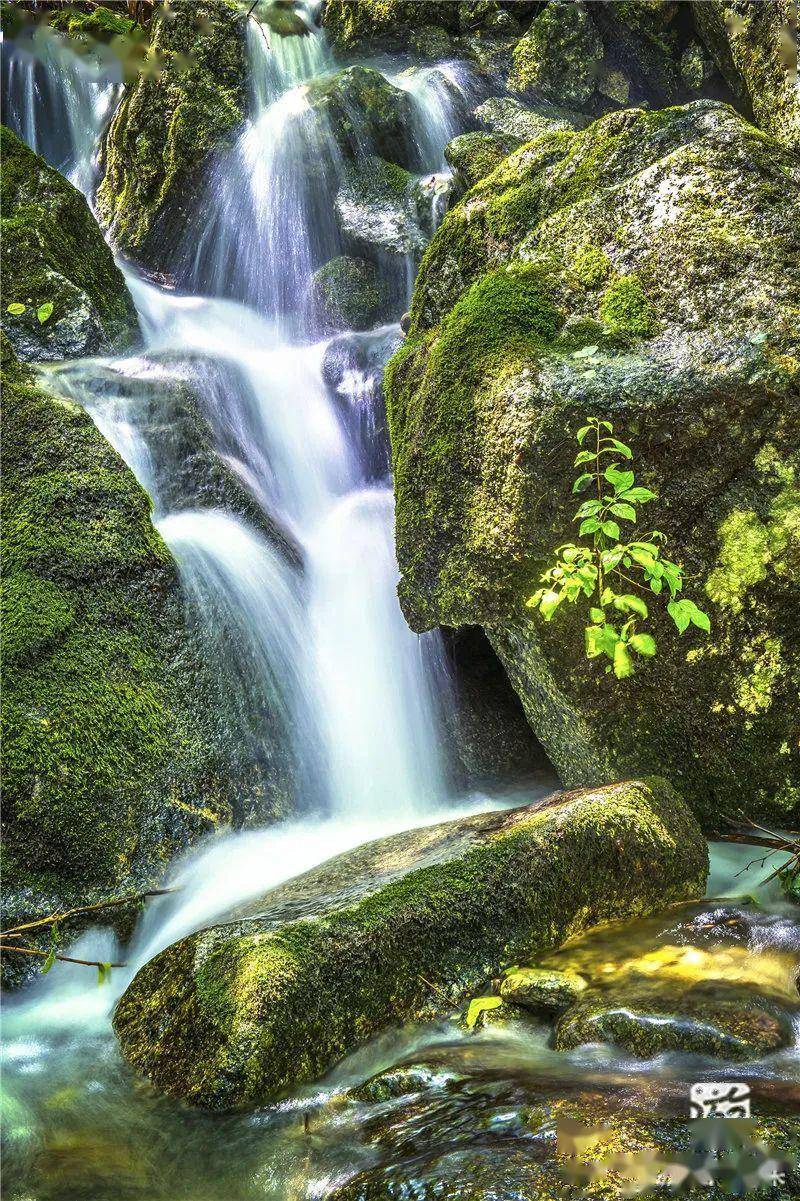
(63,958)
(53,918)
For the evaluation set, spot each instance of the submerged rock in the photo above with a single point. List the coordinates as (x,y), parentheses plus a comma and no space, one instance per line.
(655,244)
(56,263)
(756,52)
(169,120)
(348,293)
(234,1014)
(703,1020)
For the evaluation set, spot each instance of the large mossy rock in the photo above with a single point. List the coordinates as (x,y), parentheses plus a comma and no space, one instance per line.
(53,254)
(378,212)
(362,111)
(234,1014)
(559,57)
(385,23)
(756,51)
(169,120)
(108,748)
(665,242)
(348,293)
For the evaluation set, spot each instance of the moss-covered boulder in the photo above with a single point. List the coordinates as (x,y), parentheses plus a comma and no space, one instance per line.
(56,264)
(756,51)
(509,116)
(475,155)
(636,271)
(388,24)
(362,111)
(111,756)
(559,57)
(169,120)
(234,1014)
(540,989)
(348,293)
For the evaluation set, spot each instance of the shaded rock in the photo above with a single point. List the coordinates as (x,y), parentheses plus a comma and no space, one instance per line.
(704,1022)
(641,50)
(364,112)
(388,24)
(505,115)
(353,370)
(348,293)
(559,57)
(168,122)
(53,254)
(231,1015)
(756,51)
(541,990)
(474,155)
(662,240)
(377,211)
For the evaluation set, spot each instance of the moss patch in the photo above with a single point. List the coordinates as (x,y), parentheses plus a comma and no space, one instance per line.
(625,309)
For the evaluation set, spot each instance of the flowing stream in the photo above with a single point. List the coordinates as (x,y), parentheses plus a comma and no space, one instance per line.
(301,616)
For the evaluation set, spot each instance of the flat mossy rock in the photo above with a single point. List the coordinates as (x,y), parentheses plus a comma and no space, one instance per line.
(348,293)
(507,115)
(108,747)
(169,120)
(662,241)
(756,51)
(541,989)
(54,254)
(475,155)
(231,1016)
(704,1021)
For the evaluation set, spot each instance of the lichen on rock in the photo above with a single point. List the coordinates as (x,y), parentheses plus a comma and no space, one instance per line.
(348,293)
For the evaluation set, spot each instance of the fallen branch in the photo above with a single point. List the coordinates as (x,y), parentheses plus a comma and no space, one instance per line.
(64,958)
(56,918)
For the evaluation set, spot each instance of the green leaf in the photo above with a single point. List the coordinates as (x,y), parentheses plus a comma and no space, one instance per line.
(597,614)
(639,495)
(582,481)
(610,529)
(624,450)
(626,512)
(588,509)
(628,603)
(585,352)
(623,663)
(589,526)
(45,312)
(656,586)
(16,309)
(620,481)
(479,1005)
(582,432)
(584,456)
(611,557)
(549,603)
(697,616)
(103,973)
(643,644)
(49,960)
(678,613)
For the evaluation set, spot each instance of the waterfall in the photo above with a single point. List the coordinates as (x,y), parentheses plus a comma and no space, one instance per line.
(59,101)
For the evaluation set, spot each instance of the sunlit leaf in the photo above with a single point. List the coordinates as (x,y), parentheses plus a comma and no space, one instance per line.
(479,1005)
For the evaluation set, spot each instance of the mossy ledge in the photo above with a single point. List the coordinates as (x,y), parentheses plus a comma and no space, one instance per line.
(235,1014)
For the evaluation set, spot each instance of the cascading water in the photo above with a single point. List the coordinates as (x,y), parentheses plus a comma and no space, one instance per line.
(304,624)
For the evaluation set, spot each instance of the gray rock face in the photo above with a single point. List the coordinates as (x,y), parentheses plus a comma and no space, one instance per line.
(377,211)
(505,115)
(228,1017)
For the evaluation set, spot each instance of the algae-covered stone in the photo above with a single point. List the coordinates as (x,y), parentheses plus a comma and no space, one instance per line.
(660,239)
(348,293)
(474,155)
(756,50)
(377,211)
(703,1021)
(559,57)
(56,263)
(109,759)
(540,989)
(641,43)
(169,120)
(230,1016)
(506,115)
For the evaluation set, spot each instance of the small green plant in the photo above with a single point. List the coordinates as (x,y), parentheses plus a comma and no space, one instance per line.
(610,575)
(44,312)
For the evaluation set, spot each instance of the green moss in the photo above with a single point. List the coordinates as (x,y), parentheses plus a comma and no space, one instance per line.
(625,308)
(349,293)
(99,734)
(559,56)
(390,23)
(101,23)
(591,265)
(52,251)
(254,1007)
(475,155)
(167,123)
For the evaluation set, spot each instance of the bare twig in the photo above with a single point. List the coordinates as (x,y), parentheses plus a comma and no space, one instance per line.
(64,958)
(55,918)
(435,987)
